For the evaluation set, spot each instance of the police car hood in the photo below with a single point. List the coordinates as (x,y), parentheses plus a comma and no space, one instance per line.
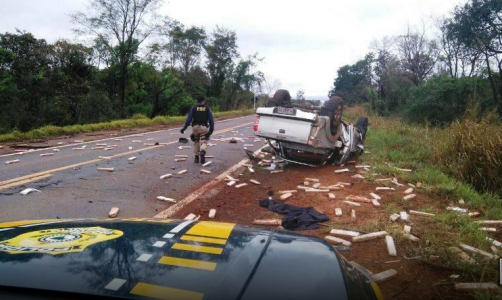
(164,259)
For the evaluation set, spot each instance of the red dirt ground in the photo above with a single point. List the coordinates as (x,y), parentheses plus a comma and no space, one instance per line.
(414,279)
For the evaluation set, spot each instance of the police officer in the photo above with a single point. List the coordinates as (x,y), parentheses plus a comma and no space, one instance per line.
(200,117)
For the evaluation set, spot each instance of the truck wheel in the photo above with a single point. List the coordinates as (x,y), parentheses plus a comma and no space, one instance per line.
(362,126)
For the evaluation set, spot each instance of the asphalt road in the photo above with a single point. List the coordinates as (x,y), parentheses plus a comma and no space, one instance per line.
(72,187)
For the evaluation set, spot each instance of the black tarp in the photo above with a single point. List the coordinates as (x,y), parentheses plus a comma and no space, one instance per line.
(297,218)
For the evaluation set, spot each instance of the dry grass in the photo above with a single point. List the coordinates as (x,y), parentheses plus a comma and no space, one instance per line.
(472,151)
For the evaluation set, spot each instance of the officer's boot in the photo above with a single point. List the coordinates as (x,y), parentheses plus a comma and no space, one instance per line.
(203,157)
(196,160)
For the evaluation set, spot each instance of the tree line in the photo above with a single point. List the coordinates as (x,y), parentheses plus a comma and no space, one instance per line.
(433,79)
(133,61)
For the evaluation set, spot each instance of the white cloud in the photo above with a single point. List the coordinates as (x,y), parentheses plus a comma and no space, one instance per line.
(303,42)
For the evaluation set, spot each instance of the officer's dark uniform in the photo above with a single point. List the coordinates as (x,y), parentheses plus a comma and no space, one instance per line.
(201,119)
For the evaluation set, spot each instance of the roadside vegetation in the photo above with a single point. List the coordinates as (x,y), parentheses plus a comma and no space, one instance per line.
(154,67)
(394,142)
(137,120)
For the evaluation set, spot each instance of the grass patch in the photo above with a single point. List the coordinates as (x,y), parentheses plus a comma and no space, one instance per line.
(137,120)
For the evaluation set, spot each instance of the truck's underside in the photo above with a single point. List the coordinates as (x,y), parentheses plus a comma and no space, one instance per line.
(308,138)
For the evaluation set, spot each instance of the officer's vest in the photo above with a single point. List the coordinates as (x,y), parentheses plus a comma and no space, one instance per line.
(200,115)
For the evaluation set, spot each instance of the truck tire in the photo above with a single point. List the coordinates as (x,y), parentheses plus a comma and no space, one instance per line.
(333,108)
(362,125)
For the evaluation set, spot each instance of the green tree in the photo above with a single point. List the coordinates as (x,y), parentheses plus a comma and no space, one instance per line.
(221,50)
(121,26)
(70,77)
(352,80)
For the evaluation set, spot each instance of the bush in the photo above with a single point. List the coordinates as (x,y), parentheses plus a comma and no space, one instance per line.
(472,151)
(442,100)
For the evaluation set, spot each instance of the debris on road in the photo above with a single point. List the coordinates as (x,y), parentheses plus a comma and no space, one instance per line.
(352,214)
(56,150)
(457,209)
(384,188)
(106,169)
(409,191)
(342,171)
(131,158)
(394,217)
(276,171)
(344,233)
(357,176)
(335,241)
(231,183)
(113,212)
(409,197)
(363,166)
(97,148)
(474,286)
(205,171)
(489,222)
(404,216)
(352,203)
(358,199)
(241,185)
(338,212)
(331,196)
(46,154)
(267,222)
(288,191)
(182,172)
(190,217)
(212,213)
(162,198)
(407,228)
(10,162)
(313,190)
(411,237)
(375,196)
(166,176)
(286,196)
(28,191)
(369,236)
(421,213)
(207,164)
(476,250)
(180,159)
(391,246)
(462,255)
(254,181)
(384,276)
(312,179)
(375,202)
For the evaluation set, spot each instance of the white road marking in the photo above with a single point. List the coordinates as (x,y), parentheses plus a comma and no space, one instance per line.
(159,244)
(5,229)
(168,236)
(115,284)
(144,257)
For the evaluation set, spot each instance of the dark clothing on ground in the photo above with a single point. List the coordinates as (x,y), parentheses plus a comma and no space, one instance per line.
(297,218)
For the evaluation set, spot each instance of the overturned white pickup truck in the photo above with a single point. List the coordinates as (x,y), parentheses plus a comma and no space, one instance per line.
(311,138)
